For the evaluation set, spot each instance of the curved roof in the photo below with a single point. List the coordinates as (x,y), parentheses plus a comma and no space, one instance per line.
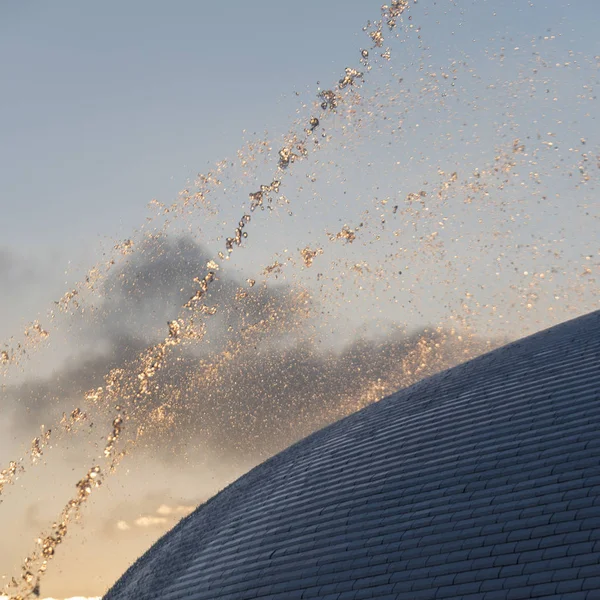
(480,482)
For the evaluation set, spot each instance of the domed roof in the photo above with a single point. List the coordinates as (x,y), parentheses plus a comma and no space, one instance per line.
(480,482)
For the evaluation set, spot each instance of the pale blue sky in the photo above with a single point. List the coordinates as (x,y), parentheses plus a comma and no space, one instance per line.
(108,105)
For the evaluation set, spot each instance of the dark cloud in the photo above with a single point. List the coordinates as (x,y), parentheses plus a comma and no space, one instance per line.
(137,300)
(255,384)
(158,279)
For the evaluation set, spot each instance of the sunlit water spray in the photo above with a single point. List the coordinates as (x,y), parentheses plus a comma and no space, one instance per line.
(407,222)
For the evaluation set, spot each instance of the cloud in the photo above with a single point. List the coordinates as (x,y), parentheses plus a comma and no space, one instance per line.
(137,300)
(165,509)
(151,287)
(164,518)
(150,521)
(256,383)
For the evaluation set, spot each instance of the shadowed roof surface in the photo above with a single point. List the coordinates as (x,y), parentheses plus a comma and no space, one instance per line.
(482,482)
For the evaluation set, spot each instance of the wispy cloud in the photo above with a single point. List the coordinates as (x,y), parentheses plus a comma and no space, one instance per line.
(182,510)
(150,521)
(165,516)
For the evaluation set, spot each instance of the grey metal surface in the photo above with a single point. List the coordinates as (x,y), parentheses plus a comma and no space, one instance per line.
(482,482)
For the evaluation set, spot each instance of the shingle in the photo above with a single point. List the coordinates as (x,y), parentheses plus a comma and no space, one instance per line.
(527,545)
(588,512)
(584,595)
(518,535)
(580,504)
(402,587)
(591,523)
(515,581)
(544,589)
(442,580)
(555,552)
(459,556)
(458,590)
(560,516)
(506,559)
(573,538)
(372,581)
(495,595)
(531,556)
(424,594)
(511,570)
(588,571)
(592,583)
(465,576)
(539,576)
(417,563)
(569,586)
(553,540)
(309,592)
(576,547)
(518,593)
(506,548)
(332,588)
(328,578)
(565,574)
(562,562)
(436,556)
(481,552)
(489,585)
(266,591)
(344,585)
(487,573)
(373,591)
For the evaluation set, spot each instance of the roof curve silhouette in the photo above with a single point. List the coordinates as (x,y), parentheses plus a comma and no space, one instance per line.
(482,482)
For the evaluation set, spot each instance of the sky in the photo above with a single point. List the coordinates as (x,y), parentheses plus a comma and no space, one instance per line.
(110,106)
(487,109)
